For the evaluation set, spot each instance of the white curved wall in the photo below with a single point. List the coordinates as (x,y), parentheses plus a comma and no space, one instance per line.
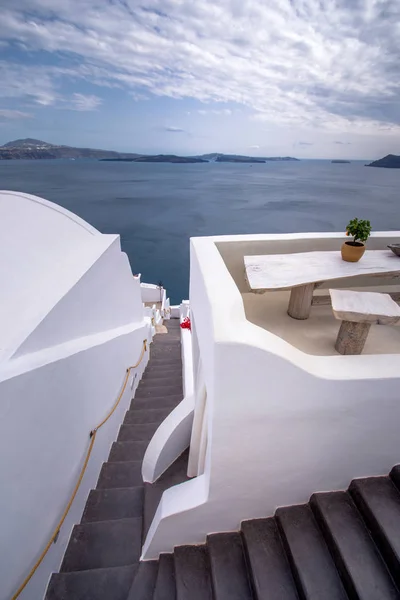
(44,249)
(104,297)
(71,323)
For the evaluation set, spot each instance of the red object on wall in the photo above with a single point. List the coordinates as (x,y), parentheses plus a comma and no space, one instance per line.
(186,324)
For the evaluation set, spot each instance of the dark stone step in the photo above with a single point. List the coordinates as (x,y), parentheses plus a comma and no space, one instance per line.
(132,433)
(312,565)
(157,381)
(395,476)
(269,569)
(96,584)
(378,500)
(165,344)
(229,576)
(120,475)
(169,338)
(158,402)
(166,362)
(127,451)
(360,565)
(192,573)
(146,415)
(158,391)
(165,588)
(166,340)
(144,583)
(118,503)
(174,475)
(161,374)
(103,544)
(158,366)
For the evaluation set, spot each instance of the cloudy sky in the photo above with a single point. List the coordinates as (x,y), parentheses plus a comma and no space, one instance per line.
(309,78)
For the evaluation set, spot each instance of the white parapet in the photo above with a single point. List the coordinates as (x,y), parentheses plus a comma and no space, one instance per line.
(71,323)
(156,296)
(273,423)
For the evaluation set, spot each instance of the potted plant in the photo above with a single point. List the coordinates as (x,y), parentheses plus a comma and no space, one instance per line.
(353,250)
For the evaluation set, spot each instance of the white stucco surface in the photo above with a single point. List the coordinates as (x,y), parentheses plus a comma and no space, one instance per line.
(43,249)
(278,423)
(71,323)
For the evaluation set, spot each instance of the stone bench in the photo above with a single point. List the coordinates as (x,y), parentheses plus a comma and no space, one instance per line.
(358,311)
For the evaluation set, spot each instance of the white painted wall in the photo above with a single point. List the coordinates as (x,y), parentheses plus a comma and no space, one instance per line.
(72,324)
(279,424)
(175,311)
(151,292)
(106,297)
(46,413)
(44,249)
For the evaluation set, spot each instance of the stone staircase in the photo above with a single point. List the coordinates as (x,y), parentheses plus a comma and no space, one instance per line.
(341,545)
(102,556)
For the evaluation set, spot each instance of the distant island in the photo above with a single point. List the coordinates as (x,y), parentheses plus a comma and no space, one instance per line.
(391,161)
(219,157)
(159,158)
(204,158)
(32,149)
(339,161)
(239,159)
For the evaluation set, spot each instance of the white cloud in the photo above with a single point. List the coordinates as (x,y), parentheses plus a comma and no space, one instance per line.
(7,113)
(255,147)
(213,111)
(34,83)
(331,64)
(40,86)
(84,102)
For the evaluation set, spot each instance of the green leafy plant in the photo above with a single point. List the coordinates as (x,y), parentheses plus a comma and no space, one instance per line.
(360,229)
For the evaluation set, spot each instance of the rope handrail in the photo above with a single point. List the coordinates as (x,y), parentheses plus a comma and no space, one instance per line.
(92,436)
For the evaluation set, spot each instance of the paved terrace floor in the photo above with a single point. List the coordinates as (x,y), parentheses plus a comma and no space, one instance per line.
(316,335)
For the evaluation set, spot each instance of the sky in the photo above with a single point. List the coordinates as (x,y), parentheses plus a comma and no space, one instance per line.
(305,78)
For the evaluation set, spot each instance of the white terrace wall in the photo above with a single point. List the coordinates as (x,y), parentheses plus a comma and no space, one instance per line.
(71,324)
(47,410)
(280,424)
(152,292)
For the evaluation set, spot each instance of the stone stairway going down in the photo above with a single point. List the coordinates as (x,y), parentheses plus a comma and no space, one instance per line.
(341,545)
(102,556)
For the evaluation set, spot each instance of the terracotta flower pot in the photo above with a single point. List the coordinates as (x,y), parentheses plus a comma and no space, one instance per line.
(352,251)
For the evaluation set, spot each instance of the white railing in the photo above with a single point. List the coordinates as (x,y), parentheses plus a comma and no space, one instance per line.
(166,309)
(156,295)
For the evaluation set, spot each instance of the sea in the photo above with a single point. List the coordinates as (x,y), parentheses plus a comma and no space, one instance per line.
(157,207)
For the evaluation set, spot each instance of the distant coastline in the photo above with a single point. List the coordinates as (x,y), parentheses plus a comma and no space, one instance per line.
(339,161)
(391,161)
(33,149)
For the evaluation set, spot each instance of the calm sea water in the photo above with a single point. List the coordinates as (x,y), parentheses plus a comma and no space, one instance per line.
(157,207)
